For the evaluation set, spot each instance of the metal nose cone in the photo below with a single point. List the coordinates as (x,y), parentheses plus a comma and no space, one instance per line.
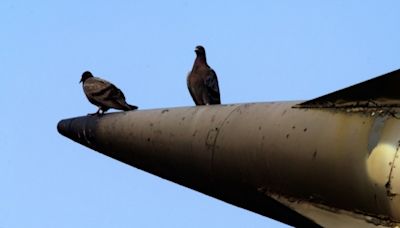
(178,145)
(64,128)
(79,129)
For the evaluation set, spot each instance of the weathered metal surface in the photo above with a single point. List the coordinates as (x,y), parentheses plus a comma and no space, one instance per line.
(256,155)
(377,92)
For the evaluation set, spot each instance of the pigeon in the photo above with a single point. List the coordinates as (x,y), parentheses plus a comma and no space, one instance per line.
(103,94)
(202,81)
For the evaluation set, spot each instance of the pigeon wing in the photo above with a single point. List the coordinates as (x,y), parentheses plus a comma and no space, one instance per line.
(96,86)
(101,92)
(211,83)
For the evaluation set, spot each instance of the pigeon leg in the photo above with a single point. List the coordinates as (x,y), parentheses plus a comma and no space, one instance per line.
(94,114)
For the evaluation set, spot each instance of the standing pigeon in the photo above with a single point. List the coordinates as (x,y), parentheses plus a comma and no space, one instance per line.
(103,94)
(202,81)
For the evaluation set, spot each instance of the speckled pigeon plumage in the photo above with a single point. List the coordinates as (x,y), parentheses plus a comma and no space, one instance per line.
(103,94)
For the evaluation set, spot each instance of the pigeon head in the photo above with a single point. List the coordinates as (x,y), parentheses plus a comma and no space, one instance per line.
(85,76)
(200,50)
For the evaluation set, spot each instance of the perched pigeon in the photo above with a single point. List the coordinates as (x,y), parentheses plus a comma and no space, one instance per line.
(103,94)
(202,81)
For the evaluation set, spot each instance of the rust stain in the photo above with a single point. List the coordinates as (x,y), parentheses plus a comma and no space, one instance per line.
(389,188)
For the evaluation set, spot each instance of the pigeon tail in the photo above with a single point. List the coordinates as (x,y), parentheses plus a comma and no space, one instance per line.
(129,107)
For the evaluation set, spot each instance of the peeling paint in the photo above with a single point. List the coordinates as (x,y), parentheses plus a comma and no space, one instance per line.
(211,137)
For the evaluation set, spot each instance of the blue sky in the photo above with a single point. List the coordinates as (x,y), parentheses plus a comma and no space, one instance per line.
(261,51)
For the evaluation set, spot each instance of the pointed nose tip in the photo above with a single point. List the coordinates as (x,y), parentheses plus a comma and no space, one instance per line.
(63,126)
(78,129)
(72,128)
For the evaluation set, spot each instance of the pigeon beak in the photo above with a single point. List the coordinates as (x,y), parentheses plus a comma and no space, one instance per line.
(80,81)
